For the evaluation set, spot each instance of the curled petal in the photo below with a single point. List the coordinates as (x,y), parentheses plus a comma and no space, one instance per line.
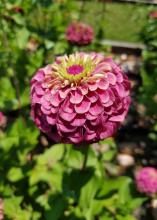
(76,97)
(67,116)
(51,119)
(92,86)
(64,92)
(39,90)
(79,120)
(76,137)
(118,118)
(36,98)
(45,111)
(104,96)
(45,103)
(103,84)
(111,78)
(90,136)
(65,127)
(92,96)
(83,107)
(67,106)
(39,75)
(89,116)
(96,108)
(55,99)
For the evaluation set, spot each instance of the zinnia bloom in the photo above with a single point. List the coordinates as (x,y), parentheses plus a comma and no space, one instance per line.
(79,33)
(146,180)
(79,98)
(153,14)
(3,120)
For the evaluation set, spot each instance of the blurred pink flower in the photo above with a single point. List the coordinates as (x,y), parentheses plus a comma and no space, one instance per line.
(146,180)
(153,14)
(80,98)
(1,209)
(79,33)
(2,120)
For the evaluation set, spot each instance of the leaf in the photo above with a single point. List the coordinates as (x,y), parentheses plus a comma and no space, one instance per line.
(112,185)
(127,217)
(88,193)
(125,191)
(22,36)
(15,174)
(135,203)
(51,155)
(13,209)
(75,158)
(57,208)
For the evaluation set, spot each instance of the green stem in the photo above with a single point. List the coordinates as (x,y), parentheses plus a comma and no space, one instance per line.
(85,151)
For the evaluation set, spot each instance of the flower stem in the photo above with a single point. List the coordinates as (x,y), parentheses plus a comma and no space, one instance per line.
(85,157)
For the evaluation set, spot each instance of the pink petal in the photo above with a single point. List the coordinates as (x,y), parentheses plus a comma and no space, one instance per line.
(47,96)
(84,89)
(76,97)
(111,78)
(45,111)
(67,116)
(45,103)
(55,99)
(119,77)
(90,136)
(96,108)
(92,86)
(104,96)
(83,107)
(77,137)
(99,68)
(51,119)
(118,118)
(64,92)
(95,122)
(67,106)
(103,84)
(78,121)
(92,96)
(111,94)
(54,110)
(39,90)
(65,127)
(36,98)
(107,104)
(39,75)
(90,116)
(120,89)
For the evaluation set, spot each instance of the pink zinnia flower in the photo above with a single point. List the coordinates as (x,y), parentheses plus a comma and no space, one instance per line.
(80,98)
(153,14)
(146,180)
(2,120)
(79,33)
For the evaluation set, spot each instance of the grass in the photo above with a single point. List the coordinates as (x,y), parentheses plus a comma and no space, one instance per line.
(118,21)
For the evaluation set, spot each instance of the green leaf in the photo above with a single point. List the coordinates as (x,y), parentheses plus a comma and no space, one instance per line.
(135,203)
(125,191)
(22,36)
(112,185)
(88,193)
(51,155)
(127,217)
(15,174)
(57,208)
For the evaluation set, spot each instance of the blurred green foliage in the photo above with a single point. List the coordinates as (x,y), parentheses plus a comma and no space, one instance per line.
(149,73)
(39,182)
